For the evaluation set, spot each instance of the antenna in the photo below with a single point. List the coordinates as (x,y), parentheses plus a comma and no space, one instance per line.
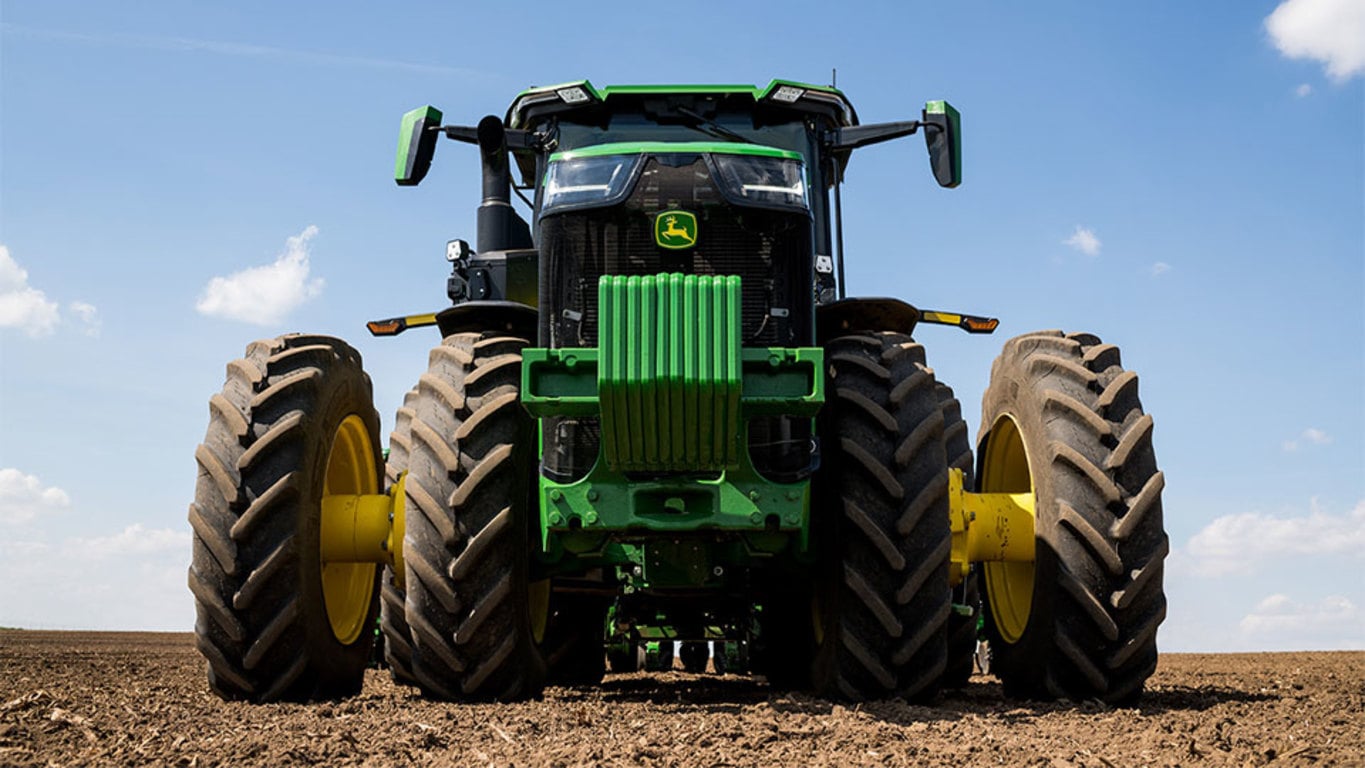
(833,77)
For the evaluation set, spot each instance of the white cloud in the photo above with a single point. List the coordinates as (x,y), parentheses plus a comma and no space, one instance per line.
(1084,240)
(1311,435)
(89,317)
(1160,268)
(133,540)
(22,306)
(131,580)
(24,497)
(1316,436)
(264,295)
(248,50)
(1329,31)
(1303,90)
(1331,622)
(1242,543)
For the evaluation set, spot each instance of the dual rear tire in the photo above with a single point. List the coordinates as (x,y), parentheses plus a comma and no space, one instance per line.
(882,601)
(1062,418)
(476,626)
(293,423)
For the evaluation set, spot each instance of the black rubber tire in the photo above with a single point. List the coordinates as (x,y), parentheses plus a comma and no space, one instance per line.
(470,486)
(392,620)
(573,647)
(628,660)
(961,627)
(1097,595)
(663,662)
(261,620)
(883,597)
(694,656)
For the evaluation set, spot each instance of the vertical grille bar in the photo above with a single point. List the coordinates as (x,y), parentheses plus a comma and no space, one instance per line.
(669,378)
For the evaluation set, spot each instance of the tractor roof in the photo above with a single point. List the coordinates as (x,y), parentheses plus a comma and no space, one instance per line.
(581,94)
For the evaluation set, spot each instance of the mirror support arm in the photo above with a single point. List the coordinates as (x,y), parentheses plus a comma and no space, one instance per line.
(516,139)
(856,136)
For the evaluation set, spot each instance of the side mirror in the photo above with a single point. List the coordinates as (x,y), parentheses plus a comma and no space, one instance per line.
(943,136)
(416,145)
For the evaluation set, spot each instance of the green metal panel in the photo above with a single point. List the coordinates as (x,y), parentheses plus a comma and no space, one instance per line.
(676,148)
(777,381)
(409,138)
(533,95)
(669,377)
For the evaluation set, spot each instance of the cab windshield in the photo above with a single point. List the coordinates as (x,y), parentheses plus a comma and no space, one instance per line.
(634,127)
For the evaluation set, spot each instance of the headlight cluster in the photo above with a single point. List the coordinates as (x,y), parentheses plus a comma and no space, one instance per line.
(589,182)
(751,179)
(761,181)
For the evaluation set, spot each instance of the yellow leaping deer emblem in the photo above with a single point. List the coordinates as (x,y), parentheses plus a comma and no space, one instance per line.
(675,229)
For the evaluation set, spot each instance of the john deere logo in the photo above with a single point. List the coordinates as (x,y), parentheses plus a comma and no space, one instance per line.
(675,229)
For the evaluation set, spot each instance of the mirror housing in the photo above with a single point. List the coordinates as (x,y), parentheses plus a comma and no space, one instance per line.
(943,137)
(416,145)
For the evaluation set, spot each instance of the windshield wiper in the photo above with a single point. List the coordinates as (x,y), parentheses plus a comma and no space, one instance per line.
(709,126)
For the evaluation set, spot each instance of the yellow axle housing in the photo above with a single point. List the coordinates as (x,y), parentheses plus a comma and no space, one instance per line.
(364,528)
(987,527)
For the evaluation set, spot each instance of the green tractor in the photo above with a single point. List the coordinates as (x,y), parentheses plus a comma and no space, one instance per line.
(654,415)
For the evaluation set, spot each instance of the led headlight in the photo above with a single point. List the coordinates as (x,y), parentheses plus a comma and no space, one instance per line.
(761,181)
(583,182)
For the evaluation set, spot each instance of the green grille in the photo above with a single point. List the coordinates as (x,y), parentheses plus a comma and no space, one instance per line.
(669,376)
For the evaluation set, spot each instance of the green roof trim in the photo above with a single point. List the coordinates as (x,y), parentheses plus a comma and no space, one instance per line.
(676,148)
(539,93)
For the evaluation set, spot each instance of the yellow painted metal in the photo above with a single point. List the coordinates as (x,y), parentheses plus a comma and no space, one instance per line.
(365,528)
(943,318)
(355,529)
(1009,585)
(398,530)
(988,527)
(395,325)
(347,586)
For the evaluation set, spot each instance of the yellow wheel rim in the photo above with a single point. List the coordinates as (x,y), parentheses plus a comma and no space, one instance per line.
(348,588)
(1009,586)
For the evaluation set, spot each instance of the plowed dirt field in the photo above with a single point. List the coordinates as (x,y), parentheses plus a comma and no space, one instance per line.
(69,698)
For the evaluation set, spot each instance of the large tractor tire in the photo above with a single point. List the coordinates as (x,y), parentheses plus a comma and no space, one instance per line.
(1062,418)
(475,617)
(293,423)
(967,595)
(694,654)
(626,659)
(661,659)
(721,662)
(882,596)
(392,620)
(573,648)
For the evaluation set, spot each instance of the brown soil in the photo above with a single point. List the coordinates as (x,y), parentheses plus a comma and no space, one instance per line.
(71,698)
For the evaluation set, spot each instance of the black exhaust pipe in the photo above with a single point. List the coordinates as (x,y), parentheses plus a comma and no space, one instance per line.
(500,228)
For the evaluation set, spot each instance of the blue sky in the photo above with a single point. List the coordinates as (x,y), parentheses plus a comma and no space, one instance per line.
(1185,180)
